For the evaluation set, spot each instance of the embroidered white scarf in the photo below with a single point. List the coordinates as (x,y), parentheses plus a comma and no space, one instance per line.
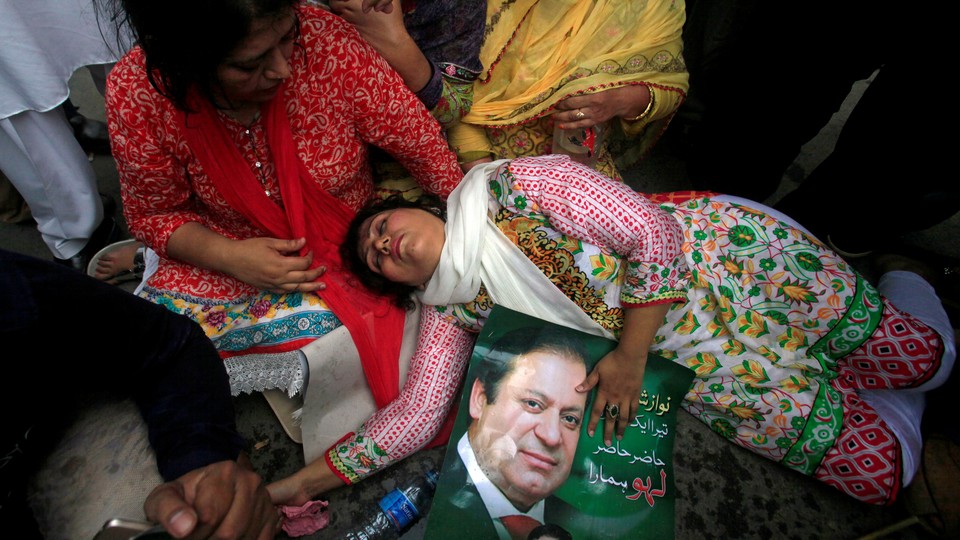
(476,252)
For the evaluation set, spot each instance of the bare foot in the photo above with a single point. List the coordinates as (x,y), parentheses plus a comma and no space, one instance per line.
(117,264)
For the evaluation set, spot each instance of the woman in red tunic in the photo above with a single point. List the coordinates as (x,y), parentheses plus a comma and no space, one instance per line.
(250,288)
(241,132)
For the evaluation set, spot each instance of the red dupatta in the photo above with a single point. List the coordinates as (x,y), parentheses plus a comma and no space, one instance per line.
(374,322)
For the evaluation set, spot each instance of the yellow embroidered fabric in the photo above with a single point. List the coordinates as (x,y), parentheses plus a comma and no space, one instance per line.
(538,52)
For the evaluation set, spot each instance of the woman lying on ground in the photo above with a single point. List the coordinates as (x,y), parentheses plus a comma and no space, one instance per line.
(798,358)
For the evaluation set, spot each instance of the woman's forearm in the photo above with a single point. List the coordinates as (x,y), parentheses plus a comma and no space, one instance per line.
(640,325)
(405,57)
(388,35)
(195,244)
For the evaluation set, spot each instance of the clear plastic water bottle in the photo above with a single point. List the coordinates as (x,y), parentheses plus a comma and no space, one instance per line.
(397,510)
(581,144)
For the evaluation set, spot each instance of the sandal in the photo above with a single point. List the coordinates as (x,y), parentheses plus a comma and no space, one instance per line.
(123,274)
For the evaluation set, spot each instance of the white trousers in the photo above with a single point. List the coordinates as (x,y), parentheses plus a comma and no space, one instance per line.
(43,160)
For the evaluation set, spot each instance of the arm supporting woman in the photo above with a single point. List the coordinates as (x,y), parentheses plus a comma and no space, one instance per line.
(388,35)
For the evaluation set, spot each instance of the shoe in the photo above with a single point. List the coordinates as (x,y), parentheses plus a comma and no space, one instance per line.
(92,135)
(848,254)
(106,233)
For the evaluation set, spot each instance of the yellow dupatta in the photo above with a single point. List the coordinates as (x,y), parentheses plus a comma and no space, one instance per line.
(538,52)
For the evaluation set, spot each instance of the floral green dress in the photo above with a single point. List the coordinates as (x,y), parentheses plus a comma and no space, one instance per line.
(780,330)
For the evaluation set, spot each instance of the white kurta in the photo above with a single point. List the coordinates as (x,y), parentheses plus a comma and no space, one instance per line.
(42,44)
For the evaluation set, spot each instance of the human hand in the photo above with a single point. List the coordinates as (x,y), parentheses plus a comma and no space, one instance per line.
(385,6)
(313,480)
(222,500)
(274,265)
(599,107)
(620,376)
(364,6)
(381,28)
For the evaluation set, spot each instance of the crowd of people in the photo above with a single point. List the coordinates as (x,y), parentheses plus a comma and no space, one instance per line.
(289,167)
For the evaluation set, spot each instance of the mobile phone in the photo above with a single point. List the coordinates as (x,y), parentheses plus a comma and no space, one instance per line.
(129,529)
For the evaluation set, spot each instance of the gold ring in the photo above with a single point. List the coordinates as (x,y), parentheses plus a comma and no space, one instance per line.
(613,411)
(580,114)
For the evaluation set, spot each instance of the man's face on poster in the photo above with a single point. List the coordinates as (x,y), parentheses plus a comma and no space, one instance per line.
(525,439)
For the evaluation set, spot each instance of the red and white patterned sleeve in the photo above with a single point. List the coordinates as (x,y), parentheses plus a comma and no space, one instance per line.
(415,417)
(583,203)
(392,117)
(155,189)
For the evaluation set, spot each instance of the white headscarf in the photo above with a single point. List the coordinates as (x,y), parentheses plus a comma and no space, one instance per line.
(476,252)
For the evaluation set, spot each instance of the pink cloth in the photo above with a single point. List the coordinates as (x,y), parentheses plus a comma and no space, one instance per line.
(306,519)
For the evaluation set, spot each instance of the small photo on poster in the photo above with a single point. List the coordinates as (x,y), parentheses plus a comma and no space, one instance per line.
(520,462)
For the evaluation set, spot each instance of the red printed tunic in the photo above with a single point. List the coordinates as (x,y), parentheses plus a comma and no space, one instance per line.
(341,97)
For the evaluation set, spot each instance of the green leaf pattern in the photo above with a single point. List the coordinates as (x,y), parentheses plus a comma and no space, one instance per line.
(763,299)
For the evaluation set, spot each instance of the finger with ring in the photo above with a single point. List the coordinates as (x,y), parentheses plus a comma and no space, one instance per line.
(613,411)
(580,114)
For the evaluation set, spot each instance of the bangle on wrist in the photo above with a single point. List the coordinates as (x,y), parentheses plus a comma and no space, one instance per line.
(646,112)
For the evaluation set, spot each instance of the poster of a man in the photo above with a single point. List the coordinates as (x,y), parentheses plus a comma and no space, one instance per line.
(525,424)
(520,457)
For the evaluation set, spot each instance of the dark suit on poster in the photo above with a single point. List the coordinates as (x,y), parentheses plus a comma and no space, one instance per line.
(525,418)
(458,511)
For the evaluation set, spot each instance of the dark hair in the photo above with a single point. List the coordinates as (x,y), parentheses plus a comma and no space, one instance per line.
(551,530)
(185,40)
(502,357)
(351,258)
